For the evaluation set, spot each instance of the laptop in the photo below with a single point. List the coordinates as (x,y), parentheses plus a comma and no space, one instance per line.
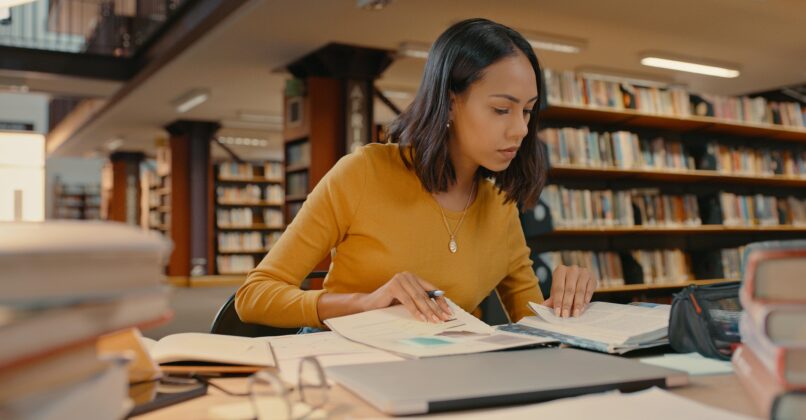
(492,379)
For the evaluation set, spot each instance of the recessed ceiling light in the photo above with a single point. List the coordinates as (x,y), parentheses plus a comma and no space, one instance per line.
(191,99)
(413,49)
(114,144)
(397,94)
(696,66)
(551,42)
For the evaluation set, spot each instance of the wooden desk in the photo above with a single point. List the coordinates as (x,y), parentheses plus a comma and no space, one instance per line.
(723,391)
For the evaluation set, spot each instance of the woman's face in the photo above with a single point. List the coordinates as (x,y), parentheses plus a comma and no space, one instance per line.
(489,119)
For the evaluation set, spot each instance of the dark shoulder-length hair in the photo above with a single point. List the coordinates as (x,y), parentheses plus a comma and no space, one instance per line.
(456,60)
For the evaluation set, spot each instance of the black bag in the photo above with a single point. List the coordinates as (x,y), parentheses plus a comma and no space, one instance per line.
(705,319)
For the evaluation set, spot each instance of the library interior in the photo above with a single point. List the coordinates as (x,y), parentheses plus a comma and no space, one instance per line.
(254,209)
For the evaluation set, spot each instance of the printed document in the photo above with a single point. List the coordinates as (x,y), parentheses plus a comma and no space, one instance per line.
(394,329)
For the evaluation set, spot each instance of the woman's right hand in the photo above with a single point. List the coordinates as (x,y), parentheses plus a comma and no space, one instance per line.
(412,292)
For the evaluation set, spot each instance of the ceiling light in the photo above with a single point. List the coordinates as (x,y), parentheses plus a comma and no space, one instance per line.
(372,4)
(689,66)
(258,117)
(623,76)
(191,100)
(397,94)
(556,43)
(413,49)
(114,144)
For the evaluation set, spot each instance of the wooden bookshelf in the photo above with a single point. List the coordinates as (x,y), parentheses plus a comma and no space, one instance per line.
(687,230)
(76,201)
(245,187)
(254,180)
(676,176)
(662,286)
(632,118)
(254,226)
(703,241)
(249,204)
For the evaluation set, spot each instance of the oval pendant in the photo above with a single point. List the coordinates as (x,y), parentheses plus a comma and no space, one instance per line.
(452,246)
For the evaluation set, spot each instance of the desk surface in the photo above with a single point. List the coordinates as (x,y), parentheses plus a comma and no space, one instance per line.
(722,391)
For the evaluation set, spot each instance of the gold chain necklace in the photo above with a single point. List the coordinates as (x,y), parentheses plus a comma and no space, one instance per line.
(452,246)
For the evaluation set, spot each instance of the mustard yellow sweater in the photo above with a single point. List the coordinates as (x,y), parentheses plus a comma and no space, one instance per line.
(376,214)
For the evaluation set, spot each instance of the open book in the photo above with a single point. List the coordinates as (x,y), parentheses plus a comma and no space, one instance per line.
(603,326)
(394,329)
(199,348)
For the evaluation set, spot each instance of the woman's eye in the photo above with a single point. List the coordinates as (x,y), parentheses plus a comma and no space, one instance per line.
(527,112)
(501,111)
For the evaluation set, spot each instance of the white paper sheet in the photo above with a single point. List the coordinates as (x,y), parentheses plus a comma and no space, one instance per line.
(607,322)
(329,348)
(394,329)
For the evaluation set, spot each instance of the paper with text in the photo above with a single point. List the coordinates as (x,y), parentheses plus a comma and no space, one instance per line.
(395,330)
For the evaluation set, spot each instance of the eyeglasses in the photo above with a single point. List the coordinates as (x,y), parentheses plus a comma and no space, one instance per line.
(271,399)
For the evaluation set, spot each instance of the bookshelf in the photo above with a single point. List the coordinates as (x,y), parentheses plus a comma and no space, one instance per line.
(249,201)
(76,201)
(157,202)
(744,161)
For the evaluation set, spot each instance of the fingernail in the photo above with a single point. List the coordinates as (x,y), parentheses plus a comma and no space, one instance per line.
(565,313)
(556,311)
(576,312)
(422,317)
(435,318)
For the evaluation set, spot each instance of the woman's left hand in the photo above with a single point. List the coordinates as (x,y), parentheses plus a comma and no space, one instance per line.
(571,290)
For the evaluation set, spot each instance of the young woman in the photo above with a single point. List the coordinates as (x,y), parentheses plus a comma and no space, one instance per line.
(435,209)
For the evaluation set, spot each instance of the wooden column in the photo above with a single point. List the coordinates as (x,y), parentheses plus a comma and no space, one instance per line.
(123,202)
(191,227)
(328,108)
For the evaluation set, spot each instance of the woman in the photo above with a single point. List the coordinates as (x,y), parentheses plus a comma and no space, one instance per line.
(424,213)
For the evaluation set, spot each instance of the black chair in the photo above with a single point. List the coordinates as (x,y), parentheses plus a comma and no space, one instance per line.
(227,321)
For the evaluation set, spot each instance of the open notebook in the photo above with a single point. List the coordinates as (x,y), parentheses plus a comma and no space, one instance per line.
(603,326)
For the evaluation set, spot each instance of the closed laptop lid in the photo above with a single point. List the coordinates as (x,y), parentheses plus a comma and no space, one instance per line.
(500,378)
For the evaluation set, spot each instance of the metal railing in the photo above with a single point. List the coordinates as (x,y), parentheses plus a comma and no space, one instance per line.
(107,27)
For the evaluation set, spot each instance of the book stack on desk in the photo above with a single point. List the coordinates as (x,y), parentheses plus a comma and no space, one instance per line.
(63,285)
(771,362)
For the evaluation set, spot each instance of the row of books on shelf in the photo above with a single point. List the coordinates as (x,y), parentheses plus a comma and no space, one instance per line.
(572,88)
(235,264)
(251,193)
(247,171)
(77,213)
(771,361)
(247,242)
(757,161)
(297,183)
(627,150)
(620,149)
(298,154)
(245,217)
(648,207)
(571,207)
(651,267)
(762,210)
(576,89)
(159,219)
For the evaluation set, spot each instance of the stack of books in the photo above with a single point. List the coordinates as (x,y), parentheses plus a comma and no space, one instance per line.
(64,285)
(771,362)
